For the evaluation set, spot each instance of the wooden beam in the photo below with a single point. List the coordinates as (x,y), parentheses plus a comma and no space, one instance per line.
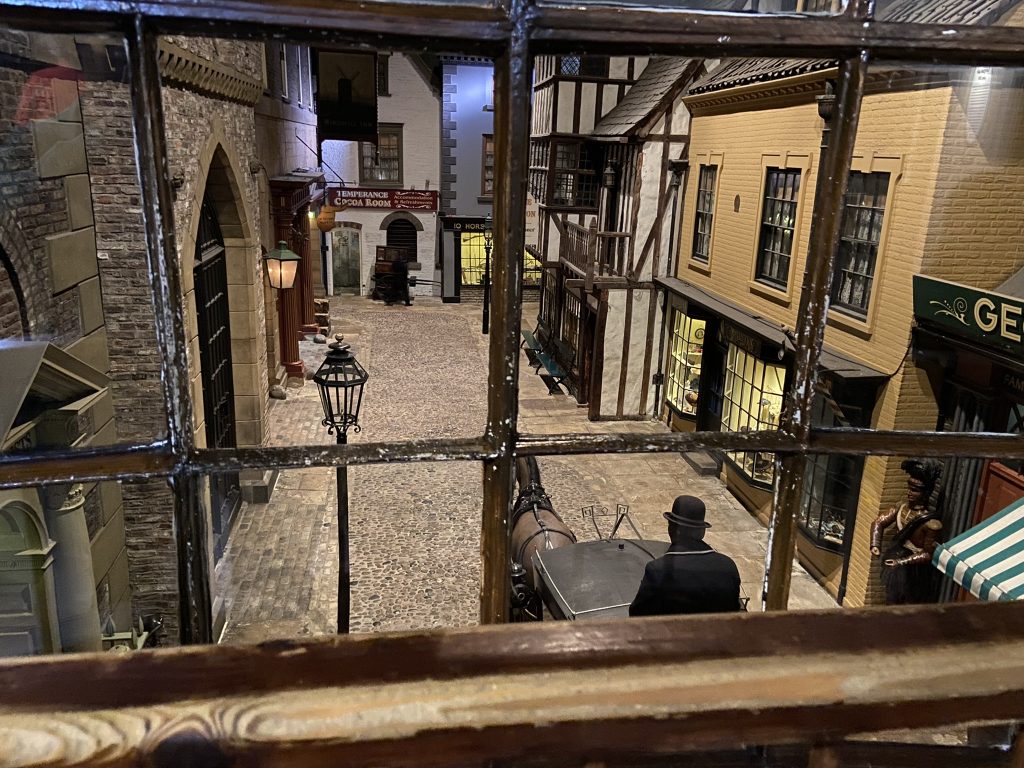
(620,689)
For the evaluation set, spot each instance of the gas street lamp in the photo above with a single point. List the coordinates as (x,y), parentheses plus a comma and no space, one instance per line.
(488,240)
(282,263)
(340,379)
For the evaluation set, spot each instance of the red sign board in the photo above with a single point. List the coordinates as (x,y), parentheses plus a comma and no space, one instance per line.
(401,199)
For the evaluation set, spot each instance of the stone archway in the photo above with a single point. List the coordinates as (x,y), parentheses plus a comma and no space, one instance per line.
(13,312)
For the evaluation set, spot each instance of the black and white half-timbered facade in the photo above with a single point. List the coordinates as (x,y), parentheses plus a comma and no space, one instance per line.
(608,152)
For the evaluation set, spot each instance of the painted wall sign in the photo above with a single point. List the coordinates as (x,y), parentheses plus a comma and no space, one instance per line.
(733,335)
(400,199)
(346,99)
(982,316)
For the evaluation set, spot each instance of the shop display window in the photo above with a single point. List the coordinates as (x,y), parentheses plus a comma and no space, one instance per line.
(831,483)
(753,402)
(686,352)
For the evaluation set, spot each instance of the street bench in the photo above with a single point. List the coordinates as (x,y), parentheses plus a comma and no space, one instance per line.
(538,357)
(530,341)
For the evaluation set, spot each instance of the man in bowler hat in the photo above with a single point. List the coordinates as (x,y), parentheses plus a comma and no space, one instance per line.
(690,577)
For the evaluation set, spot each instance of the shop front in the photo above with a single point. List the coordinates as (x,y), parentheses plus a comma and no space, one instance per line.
(727,370)
(970,343)
(466,245)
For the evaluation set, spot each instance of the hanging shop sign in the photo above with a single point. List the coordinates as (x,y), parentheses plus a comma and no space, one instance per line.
(398,199)
(991,319)
(346,99)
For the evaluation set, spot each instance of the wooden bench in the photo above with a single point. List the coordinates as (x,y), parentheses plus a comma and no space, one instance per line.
(530,341)
(538,357)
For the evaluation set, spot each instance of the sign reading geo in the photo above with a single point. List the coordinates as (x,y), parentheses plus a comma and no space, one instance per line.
(990,318)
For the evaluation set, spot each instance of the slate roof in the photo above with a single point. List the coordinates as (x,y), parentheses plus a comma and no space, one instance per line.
(653,85)
(965,12)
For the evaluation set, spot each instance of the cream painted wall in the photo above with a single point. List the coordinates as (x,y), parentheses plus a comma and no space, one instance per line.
(919,138)
(417,108)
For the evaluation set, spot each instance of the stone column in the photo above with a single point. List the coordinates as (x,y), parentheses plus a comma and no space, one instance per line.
(77,613)
(307,266)
(288,301)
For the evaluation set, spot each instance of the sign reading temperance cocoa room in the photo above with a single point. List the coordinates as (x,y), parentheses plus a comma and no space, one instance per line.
(397,199)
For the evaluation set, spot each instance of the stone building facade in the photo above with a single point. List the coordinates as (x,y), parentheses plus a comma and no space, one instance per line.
(62,386)
(75,272)
(409,108)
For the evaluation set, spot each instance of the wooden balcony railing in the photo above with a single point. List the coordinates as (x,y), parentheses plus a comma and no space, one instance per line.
(594,254)
(777,689)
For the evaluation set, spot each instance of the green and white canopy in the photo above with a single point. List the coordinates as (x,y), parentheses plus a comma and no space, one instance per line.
(988,559)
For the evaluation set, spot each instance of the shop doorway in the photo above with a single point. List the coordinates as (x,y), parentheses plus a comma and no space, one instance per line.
(712,379)
(211,286)
(346,256)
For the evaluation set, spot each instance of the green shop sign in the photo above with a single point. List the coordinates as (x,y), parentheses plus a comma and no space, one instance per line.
(989,318)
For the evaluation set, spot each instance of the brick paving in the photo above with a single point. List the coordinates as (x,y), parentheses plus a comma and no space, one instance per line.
(415,527)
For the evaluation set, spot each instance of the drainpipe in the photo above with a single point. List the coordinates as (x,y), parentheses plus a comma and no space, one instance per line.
(679,169)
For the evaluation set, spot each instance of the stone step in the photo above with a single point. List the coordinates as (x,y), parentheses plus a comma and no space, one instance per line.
(702,462)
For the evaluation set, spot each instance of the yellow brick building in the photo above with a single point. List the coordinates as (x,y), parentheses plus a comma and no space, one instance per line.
(936,184)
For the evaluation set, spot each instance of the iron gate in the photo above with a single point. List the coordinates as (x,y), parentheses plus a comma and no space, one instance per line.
(211,284)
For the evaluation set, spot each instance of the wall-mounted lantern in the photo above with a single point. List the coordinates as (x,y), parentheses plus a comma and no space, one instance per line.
(282,264)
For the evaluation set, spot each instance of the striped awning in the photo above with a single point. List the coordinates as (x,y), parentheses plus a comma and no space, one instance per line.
(988,559)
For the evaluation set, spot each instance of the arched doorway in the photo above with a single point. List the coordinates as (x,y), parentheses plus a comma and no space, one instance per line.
(213,316)
(401,233)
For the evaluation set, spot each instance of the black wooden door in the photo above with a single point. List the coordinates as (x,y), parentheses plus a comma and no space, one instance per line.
(211,285)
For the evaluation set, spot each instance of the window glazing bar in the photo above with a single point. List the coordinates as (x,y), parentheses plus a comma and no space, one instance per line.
(189,517)
(853,442)
(157,460)
(87,464)
(158,212)
(513,89)
(561,28)
(839,133)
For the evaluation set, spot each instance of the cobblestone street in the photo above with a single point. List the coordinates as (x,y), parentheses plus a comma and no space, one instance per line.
(415,527)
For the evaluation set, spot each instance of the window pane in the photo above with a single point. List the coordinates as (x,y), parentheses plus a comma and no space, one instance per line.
(77,337)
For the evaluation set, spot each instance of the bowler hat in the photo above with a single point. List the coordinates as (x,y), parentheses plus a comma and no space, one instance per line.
(687,510)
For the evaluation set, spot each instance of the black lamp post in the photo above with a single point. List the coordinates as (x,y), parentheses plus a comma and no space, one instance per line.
(488,241)
(340,379)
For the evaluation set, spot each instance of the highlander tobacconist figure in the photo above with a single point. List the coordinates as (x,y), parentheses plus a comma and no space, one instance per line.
(906,566)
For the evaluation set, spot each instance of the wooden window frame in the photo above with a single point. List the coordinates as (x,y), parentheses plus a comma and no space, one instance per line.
(763,271)
(864,652)
(391,129)
(384,74)
(282,63)
(485,193)
(785,161)
(863,326)
(707,211)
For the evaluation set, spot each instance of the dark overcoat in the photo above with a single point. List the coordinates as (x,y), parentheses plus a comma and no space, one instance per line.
(690,577)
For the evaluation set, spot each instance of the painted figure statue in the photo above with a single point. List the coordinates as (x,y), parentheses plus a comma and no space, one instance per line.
(906,565)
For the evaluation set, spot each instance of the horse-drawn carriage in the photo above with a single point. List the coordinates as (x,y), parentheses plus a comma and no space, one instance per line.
(554,573)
